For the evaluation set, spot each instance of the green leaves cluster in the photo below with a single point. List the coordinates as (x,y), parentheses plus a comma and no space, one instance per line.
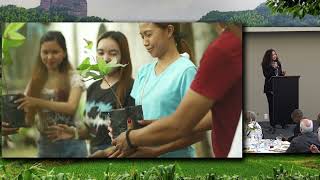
(99,68)
(11,38)
(297,8)
(35,172)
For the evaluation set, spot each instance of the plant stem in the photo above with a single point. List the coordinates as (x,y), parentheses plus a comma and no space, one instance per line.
(118,100)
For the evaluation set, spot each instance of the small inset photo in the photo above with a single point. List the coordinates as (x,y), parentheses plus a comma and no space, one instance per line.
(281,85)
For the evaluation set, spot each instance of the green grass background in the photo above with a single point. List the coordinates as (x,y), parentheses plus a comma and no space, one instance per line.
(249,166)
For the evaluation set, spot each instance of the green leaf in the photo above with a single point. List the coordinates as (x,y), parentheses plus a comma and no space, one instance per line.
(84,72)
(94,67)
(13,27)
(15,36)
(113,63)
(27,174)
(10,43)
(116,65)
(103,68)
(84,65)
(89,44)
(301,13)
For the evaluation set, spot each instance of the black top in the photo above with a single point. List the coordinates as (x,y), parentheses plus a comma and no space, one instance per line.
(98,105)
(268,72)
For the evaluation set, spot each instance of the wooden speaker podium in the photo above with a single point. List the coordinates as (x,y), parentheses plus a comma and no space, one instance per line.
(285,98)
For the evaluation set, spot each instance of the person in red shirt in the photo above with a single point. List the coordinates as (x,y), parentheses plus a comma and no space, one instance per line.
(214,101)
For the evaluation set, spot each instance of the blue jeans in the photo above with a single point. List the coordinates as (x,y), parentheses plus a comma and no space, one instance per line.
(62,149)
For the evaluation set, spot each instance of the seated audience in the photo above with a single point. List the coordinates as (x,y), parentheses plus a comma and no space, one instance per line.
(252,127)
(314,148)
(296,116)
(302,143)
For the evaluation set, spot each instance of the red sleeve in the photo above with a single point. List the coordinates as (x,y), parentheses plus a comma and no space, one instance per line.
(220,67)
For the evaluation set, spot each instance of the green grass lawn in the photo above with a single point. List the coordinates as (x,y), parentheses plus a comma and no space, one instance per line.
(248,167)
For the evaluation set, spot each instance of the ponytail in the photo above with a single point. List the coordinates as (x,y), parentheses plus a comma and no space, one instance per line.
(182,45)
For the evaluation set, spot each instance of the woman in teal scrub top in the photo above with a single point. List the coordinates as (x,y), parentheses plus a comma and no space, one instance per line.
(160,86)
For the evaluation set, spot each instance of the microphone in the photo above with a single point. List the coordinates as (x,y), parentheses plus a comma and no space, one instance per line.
(275,65)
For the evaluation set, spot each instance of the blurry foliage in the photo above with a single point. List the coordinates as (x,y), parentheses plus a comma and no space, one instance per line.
(297,8)
(261,16)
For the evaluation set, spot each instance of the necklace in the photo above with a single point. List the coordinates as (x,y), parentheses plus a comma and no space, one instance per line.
(142,90)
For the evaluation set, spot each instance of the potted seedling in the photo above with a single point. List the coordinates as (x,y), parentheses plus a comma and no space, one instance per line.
(96,68)
(11,38)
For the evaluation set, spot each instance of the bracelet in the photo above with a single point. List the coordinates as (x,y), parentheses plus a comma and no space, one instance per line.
(131,146)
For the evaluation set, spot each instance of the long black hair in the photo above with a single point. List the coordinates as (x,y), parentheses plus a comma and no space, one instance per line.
(267,58)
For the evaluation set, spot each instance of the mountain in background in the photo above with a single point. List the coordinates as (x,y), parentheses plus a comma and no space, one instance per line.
(12,13)
(76,8)
(261,16)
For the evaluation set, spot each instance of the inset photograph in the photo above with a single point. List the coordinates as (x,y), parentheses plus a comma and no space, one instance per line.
(282,113)
(121,90)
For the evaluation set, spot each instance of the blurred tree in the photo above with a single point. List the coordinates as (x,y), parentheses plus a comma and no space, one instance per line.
(298,8)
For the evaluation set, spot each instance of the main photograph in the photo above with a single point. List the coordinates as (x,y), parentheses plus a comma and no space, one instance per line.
(108,90)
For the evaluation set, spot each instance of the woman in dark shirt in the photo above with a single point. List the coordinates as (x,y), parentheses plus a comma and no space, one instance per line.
(100,94)
(271,66)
